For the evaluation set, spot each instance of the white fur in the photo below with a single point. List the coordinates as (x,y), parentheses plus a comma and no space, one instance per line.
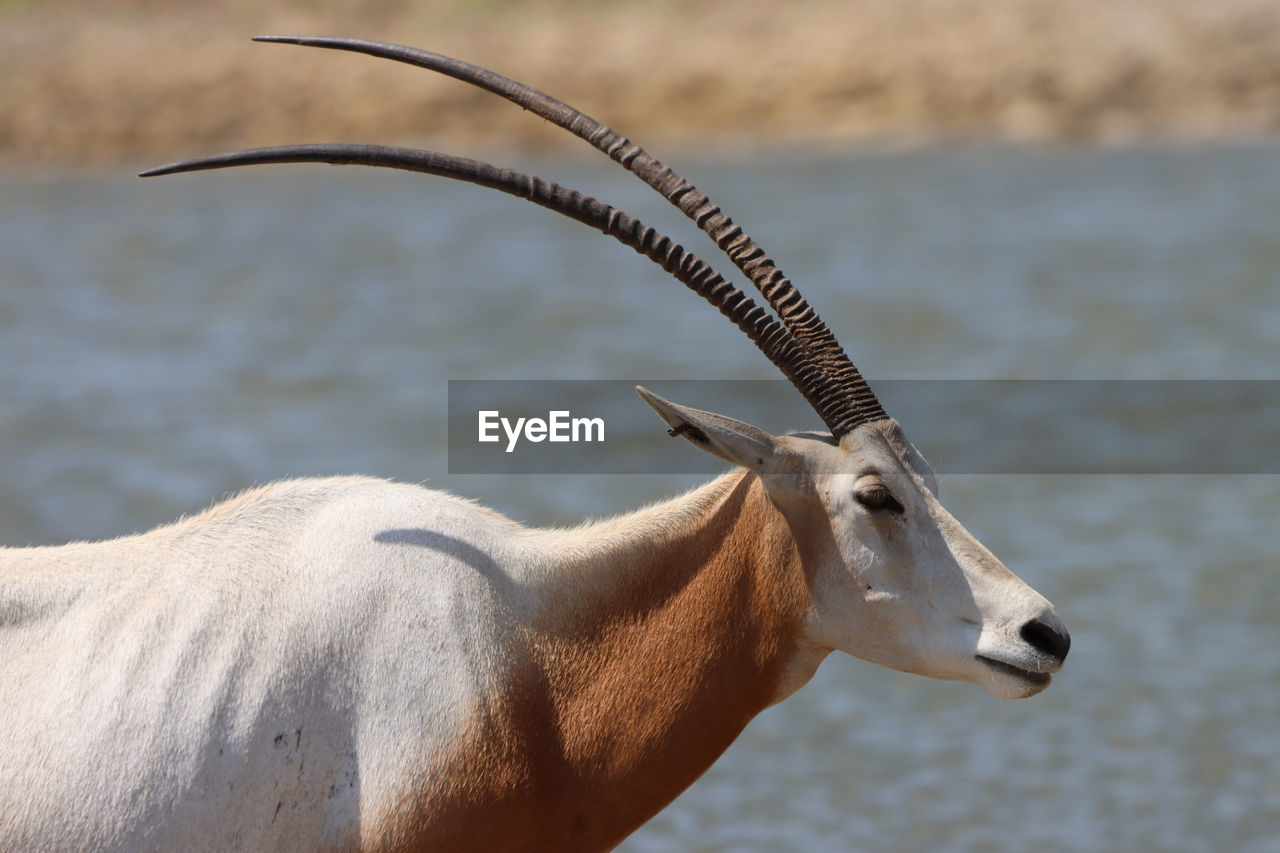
(243,679)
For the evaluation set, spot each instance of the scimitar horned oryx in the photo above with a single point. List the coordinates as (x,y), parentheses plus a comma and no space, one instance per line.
(351,663)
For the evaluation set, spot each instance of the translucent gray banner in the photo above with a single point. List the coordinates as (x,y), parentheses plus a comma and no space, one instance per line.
(962,427)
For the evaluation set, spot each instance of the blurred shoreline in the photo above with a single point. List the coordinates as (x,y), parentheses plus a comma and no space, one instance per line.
(93,83)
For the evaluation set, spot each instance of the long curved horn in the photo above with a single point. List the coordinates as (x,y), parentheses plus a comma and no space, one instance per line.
(795,312)
(767,333)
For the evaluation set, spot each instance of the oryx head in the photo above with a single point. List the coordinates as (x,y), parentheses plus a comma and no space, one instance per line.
(901,582)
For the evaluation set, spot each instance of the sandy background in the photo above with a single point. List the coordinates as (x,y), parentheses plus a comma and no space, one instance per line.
(94,83)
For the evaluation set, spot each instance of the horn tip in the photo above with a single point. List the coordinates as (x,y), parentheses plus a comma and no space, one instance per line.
(282,39)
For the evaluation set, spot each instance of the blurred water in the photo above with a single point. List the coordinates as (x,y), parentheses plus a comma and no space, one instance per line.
(165,342)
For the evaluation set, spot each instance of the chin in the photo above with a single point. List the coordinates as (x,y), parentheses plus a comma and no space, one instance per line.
(1006,681)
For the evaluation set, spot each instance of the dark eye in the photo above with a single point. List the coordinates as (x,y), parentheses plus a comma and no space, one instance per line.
(878,499)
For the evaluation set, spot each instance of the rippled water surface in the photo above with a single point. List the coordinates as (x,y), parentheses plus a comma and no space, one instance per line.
(165,342)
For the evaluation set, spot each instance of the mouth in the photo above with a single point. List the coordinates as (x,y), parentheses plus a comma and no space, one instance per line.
(1039,680)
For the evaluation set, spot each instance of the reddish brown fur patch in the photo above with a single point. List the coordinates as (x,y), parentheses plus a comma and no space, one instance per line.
(629,697)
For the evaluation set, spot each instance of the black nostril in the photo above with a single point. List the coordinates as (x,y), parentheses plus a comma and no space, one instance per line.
(1046,638)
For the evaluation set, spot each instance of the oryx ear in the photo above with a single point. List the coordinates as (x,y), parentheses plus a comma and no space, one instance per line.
(732,440)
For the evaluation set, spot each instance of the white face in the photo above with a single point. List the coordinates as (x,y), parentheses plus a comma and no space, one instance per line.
(893,577)
(905,585)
